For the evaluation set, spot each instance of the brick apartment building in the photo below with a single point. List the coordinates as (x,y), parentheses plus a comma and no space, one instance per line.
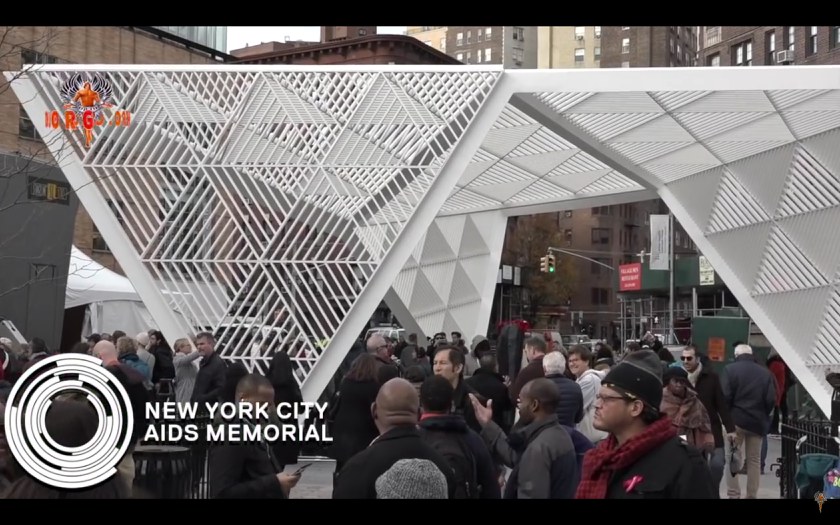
(648,46)
(369,49)
(769,46)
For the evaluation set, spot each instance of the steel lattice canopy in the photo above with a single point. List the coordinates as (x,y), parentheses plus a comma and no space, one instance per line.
(319,191)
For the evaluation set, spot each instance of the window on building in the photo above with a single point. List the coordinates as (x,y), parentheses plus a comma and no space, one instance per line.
(517,54)
(469,37)
(488,54)
(711,36)
(790,38)
(625,28)
(597,53)
(468,57)
(579,32)
(459,39)
(488,33)
(834,37)
(567,235)
(713,60)
(478,57)
(28,56)
(26,129)
(626,63)
(443,44)
(601,236)
(812,40)
(479,35)
(459,57)
(601,296)
(598,269)
(770,47)
(742,54)
(567,214)
(519,34)
(579,55)
(625,45)
(602,210)
(597,31)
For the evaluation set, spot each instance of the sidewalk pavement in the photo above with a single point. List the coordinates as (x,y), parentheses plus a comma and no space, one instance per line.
(316,481)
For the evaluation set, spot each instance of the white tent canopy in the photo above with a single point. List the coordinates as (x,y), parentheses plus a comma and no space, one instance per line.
(111,300)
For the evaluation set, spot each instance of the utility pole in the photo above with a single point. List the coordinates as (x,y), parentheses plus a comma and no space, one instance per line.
(671,335)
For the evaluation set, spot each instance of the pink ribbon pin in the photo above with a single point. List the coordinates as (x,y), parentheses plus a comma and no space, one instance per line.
(631,483)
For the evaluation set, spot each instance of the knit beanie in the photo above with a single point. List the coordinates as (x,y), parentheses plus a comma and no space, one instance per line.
(638,374)
(412,479)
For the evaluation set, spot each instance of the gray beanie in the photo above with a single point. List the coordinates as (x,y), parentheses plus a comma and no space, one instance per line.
(638,374)
(412,479)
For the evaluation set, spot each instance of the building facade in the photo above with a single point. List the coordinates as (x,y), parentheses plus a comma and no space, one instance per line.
(562,47)
(769,46)
(514,47)
(432,36)
(648,46)
(375,49)
(21,145)
(214,37)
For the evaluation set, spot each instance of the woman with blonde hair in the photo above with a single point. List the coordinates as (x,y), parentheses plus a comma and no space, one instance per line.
(186,369)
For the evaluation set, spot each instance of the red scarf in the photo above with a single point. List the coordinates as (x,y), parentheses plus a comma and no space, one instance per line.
(602,462)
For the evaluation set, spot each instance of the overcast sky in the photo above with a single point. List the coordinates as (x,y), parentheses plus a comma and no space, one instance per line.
(241,36)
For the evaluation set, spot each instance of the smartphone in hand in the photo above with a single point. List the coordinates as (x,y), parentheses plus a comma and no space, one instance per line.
(300,470)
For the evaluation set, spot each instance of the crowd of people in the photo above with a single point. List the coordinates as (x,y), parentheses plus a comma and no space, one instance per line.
(528,419)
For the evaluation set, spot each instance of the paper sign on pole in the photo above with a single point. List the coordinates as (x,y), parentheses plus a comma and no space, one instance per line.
(660,242)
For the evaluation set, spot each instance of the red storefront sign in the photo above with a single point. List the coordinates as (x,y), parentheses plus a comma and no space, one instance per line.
(630,277)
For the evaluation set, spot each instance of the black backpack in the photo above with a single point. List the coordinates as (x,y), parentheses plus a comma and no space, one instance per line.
(454,449)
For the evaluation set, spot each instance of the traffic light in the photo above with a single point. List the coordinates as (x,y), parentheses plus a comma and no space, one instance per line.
(551,262)
(544,264)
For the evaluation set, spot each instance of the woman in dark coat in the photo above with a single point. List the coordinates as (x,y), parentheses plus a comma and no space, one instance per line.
(354,429)
(286,390)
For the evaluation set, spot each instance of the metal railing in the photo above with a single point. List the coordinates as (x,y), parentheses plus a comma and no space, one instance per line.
(801,436)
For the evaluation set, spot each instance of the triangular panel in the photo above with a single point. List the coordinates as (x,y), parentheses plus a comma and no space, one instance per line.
(734,207)
(764,175)
(542,163)
(742,249)
(810,186)
(697,194)
(785,268)
(424,297)
(825,350)
(472,241)
(478,269)
(577,181)
(452,229)
(793,313)
(813,233)
(502,141)
(436,247)
(662,129)
(826,149)
(462,287)
(440,276)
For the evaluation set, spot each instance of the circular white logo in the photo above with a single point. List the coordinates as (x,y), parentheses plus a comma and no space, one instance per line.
(38,453)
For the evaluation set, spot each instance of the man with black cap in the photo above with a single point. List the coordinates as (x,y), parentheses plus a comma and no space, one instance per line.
(643,458)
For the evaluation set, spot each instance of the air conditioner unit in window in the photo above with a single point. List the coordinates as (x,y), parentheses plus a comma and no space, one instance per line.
(784,57)
(579,37)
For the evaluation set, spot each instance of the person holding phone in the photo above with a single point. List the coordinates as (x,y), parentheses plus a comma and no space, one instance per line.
(249,469)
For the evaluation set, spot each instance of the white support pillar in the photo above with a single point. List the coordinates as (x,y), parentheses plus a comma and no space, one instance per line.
(407,240)
(97,206)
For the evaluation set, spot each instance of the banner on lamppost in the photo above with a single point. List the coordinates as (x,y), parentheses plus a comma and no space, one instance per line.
(660,242)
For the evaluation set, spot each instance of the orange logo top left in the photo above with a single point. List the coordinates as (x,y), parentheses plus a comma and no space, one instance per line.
(85,100)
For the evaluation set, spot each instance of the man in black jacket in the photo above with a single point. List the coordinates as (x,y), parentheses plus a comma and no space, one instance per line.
(491,385)
(249,469)
(395,415)
(211,372)
(707,385)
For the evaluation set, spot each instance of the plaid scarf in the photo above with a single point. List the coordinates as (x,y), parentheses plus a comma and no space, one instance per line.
(602,462)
